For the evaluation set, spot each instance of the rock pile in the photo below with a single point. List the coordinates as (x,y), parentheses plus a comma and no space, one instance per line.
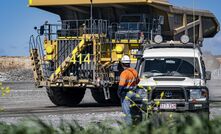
(17,68)
(2,77)
(17,75)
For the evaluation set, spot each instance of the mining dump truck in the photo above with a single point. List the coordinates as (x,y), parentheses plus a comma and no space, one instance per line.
(83,49)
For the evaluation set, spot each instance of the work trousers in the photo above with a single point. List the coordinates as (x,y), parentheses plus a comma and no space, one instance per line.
(132,114)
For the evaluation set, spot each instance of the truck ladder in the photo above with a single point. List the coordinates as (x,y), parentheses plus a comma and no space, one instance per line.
(37,68)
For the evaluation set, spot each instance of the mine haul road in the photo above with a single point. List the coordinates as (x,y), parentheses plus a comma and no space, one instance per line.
(25,100)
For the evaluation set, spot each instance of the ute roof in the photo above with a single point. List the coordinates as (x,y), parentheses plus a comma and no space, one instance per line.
(172,52)
(86,2)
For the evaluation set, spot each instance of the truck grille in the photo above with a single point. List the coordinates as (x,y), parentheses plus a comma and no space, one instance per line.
(169,93)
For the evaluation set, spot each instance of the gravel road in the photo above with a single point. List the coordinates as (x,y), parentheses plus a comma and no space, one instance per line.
(25,101)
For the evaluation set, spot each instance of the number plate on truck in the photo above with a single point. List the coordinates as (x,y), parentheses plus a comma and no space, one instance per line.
(168,106)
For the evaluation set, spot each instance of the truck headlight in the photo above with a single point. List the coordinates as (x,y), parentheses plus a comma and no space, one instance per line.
(49,49)
(198,94)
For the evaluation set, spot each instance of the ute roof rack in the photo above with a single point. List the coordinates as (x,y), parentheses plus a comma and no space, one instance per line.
(172,44)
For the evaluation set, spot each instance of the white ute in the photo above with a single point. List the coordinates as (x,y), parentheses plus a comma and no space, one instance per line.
(177,71)
(172,66)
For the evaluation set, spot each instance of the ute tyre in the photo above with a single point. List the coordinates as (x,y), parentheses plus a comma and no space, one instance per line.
(206,114)
(98,95)
(65,96)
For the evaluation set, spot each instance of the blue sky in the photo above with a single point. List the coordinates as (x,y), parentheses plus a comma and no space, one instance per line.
(17,21)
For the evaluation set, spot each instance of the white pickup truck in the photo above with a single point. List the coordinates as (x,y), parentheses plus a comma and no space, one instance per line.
(176,76)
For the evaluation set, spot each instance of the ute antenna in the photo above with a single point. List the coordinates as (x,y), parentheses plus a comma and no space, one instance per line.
(194,41)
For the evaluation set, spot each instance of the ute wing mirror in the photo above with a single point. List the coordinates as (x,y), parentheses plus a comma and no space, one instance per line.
(208,75)
(161,20)
(139,55)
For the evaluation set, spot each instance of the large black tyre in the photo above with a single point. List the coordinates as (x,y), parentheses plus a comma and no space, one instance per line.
(98,95)
(66,96)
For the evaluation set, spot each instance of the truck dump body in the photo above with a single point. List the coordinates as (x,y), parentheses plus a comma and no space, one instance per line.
(177,21)
(86,2)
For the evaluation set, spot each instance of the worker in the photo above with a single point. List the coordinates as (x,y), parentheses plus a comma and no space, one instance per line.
(83,29)
(127,85)
(142,37)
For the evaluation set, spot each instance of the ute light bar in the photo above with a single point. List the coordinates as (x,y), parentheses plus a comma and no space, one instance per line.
(185,39)
(158,39)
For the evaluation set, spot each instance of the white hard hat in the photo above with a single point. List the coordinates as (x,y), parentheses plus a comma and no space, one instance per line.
(125,59)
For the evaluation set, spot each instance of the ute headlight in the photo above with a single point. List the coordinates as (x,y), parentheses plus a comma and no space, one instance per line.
(198,94)
(184,39)
(158,39)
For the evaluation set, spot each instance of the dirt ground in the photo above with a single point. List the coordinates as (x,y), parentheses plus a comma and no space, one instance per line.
(25,100)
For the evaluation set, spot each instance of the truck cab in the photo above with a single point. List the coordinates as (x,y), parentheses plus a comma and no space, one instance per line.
(132,22)
(176,77)
(134,26)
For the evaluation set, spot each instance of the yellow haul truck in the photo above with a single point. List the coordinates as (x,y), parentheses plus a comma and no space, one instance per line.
(84,49)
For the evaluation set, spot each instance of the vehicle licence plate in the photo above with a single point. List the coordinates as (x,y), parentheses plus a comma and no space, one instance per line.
(168,106)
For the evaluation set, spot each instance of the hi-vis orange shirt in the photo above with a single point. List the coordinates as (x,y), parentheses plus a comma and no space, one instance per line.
(129,78)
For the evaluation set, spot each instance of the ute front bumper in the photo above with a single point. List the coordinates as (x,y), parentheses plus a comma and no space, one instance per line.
(179,101)
(179,106)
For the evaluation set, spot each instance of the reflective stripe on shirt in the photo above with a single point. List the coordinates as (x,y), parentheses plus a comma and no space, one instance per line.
(129,77)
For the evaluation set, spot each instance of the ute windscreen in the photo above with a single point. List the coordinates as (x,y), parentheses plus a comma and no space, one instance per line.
(180,67)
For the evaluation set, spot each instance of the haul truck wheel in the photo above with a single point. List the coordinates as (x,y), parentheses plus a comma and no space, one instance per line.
(98,95)
(66,96)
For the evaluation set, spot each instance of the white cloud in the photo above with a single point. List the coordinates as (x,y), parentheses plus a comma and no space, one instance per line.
(218,38)
(213,44)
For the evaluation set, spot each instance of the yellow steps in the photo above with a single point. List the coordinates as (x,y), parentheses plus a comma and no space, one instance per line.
(37,69)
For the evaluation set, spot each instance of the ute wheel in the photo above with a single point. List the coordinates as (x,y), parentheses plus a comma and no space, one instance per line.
(205,114)
(66,96)
(98,95)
